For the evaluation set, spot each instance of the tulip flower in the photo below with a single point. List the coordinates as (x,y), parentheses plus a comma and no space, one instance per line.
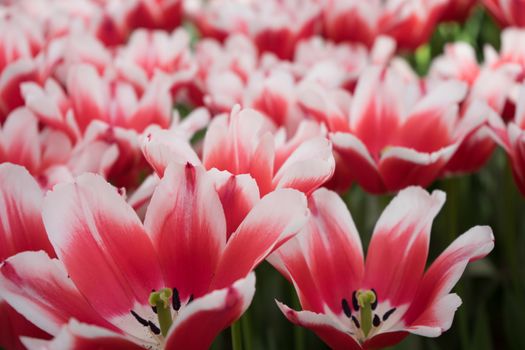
(457,10)
(20,42)
(391,133)
(507,12)
(490,85)
(274,26)
(409,22)
(512,139)
(172,282)
(244,143)
(21,142)
(21,229)
(355,304)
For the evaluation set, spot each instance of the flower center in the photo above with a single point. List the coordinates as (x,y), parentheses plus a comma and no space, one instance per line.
(161,302)
(364,303)
(165,303)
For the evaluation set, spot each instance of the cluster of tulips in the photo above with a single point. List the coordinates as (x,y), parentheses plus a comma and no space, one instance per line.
(155,152)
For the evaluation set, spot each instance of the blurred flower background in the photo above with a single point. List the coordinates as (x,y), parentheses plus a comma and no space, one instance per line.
(274,98)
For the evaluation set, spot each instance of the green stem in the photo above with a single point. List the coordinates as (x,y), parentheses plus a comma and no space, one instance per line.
(510,228)
(236,335)
(246,323)
(453,188)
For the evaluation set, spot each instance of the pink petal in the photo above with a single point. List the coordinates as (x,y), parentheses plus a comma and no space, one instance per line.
(88,94)
(21,226)
(39,288)
(201,321)
(323,106)
(99,237)
(376,109)
(186,223)
(401,167)
(444,273)
(19,138)
(274,220)
(291,260)
(354,154)
(335,336)
(262,164)
(437,318)
(231,141)
(11,79)
(398,250)
(384,340)
(155,107)
(334,248)
(80,336)
(308,167)
(13,325)
(238,195)
(160,147)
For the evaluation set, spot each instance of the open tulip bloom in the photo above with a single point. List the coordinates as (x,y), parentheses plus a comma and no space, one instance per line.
(173,282)
(351,304)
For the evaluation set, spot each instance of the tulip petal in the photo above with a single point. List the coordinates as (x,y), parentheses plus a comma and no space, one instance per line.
(21,226)
(88,94)
(401,167)
(437,318)
(13,325)
(399,247)
(335,251)
(334,335)
(238,195)
(39,288)
(19,139)
(186,223)
(201,321)
(275,219)
(291,260)
(445,272)
(99,237)
(356,157)
(160,147)
(80,336)
(262,164)
(308,167)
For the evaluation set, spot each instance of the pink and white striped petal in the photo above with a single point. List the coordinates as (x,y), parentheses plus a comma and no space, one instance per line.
(238,195)
(99,237)
(80,336)
(21,226)
(401,167)
(308,167)
(437,318)
(186,223)
(160,147)
(333,334)
(399,247)
(19,140)
(355,156)
(39,288)
(276,218)
(334,248)
(204,318)
(445,272)
(13,325)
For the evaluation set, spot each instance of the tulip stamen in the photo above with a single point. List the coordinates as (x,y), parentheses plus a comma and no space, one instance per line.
(388,313)
(161,300)
(176,300)
(346,308)
(366,299)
